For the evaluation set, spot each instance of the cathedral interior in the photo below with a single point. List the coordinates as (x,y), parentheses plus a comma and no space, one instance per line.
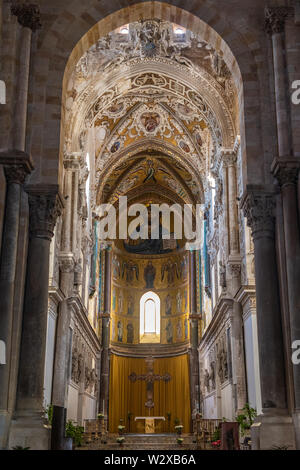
(159,104)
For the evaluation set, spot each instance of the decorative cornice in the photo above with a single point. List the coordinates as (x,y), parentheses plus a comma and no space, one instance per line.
(286,171)
(275,19)
(259,205)
(28,15)
(45,207)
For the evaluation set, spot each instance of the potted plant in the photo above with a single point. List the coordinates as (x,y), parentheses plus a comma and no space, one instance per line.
(179,428)
(246,419)
(75,432)
(120,440)
(121,429)
(179,440)
(100,416)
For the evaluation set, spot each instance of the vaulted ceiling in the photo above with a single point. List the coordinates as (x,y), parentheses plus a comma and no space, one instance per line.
(160,103)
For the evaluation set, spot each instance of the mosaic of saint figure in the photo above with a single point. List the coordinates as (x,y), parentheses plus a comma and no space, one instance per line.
(130,307)
(185,300)
(149,275)
(120,332)
(130,333)
(169,332)
(179,330)
(168,305)
(120,302)
(179,301)
(186,328)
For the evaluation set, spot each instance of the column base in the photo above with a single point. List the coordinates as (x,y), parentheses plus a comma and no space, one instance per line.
(29,431)
(273,432)
(296,420)
(5,418)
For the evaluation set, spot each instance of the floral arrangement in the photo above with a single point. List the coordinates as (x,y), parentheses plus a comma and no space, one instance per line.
(216,444)
(180,440)
(120,440)
(179,428)
(121,428)
(100,415)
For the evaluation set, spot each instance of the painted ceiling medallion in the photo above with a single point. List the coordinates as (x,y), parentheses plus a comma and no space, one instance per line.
(150,121)
(115,147)
(184,110)
(184,146)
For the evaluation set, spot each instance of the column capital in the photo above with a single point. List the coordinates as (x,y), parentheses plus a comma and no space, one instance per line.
(229,158)
(45,206)
(286,171)
(28,15)
(72,161)
(17,165)
(259,205)
(275,19)
(235,269)
(66,262)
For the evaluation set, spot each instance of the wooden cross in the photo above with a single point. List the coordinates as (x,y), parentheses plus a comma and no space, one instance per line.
(149,378)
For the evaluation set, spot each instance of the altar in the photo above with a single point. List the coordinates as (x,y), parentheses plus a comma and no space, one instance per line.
(150,422)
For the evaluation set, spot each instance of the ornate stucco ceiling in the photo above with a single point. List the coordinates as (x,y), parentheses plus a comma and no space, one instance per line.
(151,88)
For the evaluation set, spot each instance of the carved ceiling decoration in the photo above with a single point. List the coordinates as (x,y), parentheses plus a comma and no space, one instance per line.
(155,89)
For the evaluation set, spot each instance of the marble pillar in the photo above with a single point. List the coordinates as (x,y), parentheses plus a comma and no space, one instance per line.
(28,16)
(229,163)
(104,378)
(238,353)
(274,426)
(286,169)
(17,166)
(27,429)
(194,324)
(287,174)
(62,353)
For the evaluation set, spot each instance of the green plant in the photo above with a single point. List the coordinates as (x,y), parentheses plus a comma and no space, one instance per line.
(216,435)
(246,419)
(20,448)
(49,413)
(180,440)
(76,432)
(120,440)
(179,428)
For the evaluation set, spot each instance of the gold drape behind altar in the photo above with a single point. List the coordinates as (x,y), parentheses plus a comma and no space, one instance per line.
(128,398)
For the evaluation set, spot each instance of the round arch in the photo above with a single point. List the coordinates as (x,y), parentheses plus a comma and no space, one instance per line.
(67,36)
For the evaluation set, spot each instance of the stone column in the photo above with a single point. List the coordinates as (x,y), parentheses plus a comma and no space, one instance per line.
(104,379)
(194,322)
(287,174)
(16,167)
(274,25)
(286,170)
(62,353)
(238,357)
(275,426)
(29,18)
(229,162)
(28,430)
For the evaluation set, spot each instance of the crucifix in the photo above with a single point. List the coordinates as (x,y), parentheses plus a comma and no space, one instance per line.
(149,378)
